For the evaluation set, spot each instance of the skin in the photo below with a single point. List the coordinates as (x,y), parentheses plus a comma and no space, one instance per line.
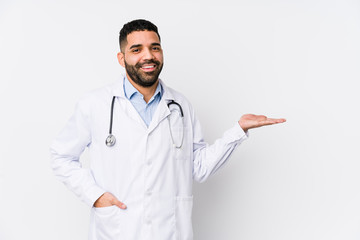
(249,121)
(143,49)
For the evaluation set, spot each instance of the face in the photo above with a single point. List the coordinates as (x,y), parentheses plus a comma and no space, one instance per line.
(142,58)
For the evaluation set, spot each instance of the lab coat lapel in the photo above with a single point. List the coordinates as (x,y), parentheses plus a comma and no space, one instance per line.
(124,103)
(131,112)
(162,110)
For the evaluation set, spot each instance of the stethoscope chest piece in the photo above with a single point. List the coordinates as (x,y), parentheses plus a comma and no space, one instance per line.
(110,140)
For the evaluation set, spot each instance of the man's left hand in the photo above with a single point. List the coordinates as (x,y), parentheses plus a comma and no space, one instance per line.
(249,121)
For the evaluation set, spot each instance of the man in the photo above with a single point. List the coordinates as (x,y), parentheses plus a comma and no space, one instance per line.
(139,184)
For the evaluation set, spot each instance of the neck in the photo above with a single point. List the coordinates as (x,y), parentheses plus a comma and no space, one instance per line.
(147,92)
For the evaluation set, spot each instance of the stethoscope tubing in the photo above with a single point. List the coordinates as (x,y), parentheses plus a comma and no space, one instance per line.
(110,140)
(173,102)
(111,114)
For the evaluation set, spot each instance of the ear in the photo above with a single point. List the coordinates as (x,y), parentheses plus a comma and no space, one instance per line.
(121,59)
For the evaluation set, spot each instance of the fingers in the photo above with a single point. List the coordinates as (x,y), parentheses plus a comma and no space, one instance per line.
(270,121)
(119,204)
(276,120)
(116,202)
(107,200)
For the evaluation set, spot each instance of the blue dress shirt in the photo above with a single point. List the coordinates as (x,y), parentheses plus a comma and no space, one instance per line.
(145,110)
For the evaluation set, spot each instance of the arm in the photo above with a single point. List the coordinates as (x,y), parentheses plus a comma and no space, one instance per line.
(66,150)
(209,158)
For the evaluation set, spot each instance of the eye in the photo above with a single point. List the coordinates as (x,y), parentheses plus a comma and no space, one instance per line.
(156,48)
(135,50)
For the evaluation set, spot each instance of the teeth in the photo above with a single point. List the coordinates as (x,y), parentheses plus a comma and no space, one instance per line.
(148,67)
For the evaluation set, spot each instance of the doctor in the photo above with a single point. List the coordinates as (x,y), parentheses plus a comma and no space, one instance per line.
(146,148)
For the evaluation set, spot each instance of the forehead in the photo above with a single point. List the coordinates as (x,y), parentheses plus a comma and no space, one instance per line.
(142,38)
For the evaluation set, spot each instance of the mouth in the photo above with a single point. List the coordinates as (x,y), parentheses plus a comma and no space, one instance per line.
(148,67)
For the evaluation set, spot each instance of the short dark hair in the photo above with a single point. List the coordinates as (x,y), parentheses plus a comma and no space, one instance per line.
(135,25)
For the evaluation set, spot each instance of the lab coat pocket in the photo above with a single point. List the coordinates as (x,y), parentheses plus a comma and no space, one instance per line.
(107,222)
(183,218)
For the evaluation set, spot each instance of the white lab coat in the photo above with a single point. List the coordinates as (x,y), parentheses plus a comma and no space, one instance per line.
(143,169)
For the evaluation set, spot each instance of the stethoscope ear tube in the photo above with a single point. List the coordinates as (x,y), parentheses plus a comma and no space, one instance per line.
(111,140)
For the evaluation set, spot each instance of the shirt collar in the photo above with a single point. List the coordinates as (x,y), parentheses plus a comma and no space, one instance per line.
(130,90)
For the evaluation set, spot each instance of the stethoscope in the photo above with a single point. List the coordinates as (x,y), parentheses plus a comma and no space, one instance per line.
(111,140)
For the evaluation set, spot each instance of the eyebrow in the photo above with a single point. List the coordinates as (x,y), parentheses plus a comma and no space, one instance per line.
(139,45)
(135,46)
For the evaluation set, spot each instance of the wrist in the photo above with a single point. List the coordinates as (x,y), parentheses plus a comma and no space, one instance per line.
(97,202)
(242,126)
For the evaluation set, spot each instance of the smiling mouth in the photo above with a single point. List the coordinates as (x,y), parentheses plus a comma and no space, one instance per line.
(148,68)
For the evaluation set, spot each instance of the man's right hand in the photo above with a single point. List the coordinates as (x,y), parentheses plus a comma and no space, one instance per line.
(107,200)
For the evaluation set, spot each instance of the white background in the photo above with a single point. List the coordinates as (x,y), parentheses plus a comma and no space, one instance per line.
(294,59)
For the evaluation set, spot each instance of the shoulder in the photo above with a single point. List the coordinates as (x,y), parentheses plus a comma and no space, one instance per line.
(100,94)
(179,98)
(97,99)
(176,94)
(170,93)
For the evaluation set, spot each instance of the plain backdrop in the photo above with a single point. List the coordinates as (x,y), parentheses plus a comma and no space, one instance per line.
(294,59)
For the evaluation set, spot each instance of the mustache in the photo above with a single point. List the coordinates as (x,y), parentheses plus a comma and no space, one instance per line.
(139,65)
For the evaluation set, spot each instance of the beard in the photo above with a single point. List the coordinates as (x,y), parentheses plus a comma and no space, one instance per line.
(144,79)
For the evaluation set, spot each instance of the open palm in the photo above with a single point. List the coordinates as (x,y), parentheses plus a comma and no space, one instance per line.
(249,121)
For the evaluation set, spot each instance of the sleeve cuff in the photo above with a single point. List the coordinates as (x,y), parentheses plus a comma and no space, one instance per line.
(241,132)
(93,195)
(236,134)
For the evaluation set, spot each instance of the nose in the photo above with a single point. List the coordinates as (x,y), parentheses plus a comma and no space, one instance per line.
(148,54)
